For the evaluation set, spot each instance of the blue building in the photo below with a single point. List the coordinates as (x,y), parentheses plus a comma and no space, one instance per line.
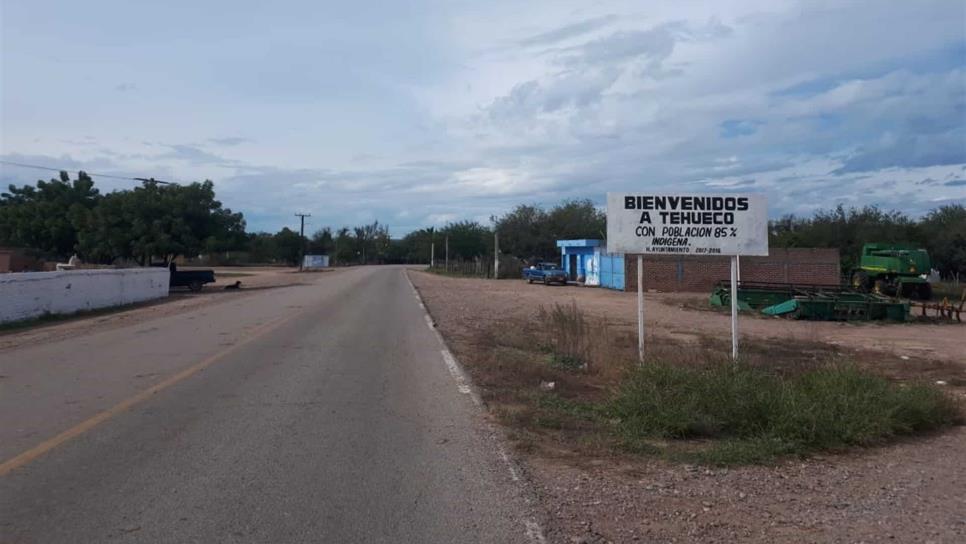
(577,258)
(587,261)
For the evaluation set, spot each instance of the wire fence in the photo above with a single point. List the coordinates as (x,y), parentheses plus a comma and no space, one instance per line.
(510,267)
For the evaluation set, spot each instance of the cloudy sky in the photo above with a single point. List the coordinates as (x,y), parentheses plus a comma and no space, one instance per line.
(419,113)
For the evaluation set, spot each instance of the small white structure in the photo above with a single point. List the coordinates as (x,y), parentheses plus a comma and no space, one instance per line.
(31,294)
(315,262)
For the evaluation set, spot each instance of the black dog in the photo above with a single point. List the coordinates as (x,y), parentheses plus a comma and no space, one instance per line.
(236,285)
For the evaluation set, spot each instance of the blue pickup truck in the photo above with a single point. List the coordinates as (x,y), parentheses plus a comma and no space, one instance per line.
(546,273)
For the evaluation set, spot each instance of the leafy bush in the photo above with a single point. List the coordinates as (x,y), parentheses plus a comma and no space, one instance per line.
(758,415)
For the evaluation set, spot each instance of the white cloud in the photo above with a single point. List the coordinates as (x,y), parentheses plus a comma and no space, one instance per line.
(463,110)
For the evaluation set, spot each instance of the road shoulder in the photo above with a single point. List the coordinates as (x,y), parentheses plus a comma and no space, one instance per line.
(906,491)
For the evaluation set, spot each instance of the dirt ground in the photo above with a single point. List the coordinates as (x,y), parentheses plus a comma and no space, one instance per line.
(912,491)
(252,280)
(666,314)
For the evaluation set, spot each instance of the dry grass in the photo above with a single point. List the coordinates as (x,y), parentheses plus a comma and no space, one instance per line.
(588,363)
(568,335)
(946,289)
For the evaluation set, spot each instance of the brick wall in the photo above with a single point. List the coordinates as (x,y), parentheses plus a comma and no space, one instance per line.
(15,260)
(686,273)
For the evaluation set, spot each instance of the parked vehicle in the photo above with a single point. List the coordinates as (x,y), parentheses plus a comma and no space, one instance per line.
(546,273)
(194,280)
(892,269)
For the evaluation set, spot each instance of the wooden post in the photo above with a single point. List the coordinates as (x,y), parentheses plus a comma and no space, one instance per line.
(496,256)
(302,216)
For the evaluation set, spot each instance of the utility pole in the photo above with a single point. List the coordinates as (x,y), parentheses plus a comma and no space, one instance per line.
(302,216)
(447,253)
(432,255)
(496,256)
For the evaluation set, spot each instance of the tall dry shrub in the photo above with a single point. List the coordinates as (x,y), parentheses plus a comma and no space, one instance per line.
(568,335)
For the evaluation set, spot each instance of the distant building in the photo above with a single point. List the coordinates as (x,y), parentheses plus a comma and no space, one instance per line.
(588,261)
(581,260)
(16,260)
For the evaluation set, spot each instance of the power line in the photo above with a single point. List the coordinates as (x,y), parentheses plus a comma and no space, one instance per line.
(51,169)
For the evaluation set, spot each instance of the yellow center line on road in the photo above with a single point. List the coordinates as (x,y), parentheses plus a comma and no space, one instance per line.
(40,449)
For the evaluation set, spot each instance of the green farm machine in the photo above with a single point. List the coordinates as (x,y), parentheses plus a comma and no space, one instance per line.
(816,302)
(894,270)
(887,274)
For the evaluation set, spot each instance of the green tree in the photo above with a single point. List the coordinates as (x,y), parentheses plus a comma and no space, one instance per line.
(345,247)
(467,240)
(943,232)
(159,221)
(575,220)
(288,246)
(262,248)
(229,232)
(846,229)
(371,242)
(522,232)
(415,247)
(530,232)
(48,217)
(322,242)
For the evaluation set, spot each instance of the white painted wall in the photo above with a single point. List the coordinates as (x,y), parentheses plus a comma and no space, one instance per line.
(592,268)
(31,294)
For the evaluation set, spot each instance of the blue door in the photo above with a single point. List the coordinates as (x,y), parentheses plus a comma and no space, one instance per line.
(612,271)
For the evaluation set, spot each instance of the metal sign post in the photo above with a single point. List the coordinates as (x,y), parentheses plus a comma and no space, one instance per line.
(700,225)
(640,308)
(734,308)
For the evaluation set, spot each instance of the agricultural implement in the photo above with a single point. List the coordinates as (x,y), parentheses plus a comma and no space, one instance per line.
(942,310)
(808,301)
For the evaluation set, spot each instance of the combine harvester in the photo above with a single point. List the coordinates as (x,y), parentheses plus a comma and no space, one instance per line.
(893,269)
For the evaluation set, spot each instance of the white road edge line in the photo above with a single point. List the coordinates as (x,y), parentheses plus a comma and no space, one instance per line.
(509,464)
(461,384)
(533,530)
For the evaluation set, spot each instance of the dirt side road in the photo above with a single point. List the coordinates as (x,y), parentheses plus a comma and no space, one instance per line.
(908,492)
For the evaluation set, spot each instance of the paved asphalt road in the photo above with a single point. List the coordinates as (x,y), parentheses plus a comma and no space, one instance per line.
(312,413)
